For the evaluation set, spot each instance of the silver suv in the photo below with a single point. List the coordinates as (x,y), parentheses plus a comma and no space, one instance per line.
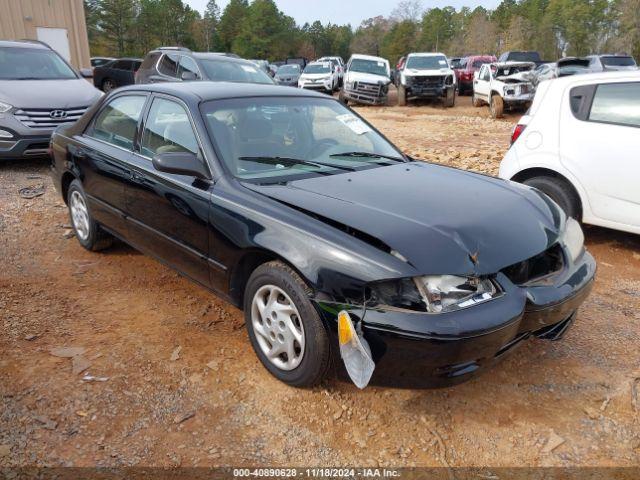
(38,92)
(175,64)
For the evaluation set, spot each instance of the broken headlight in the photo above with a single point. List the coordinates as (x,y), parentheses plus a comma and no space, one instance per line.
(434,293)
(573,238)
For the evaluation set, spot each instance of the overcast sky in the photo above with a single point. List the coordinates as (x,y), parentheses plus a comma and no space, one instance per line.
(346,11)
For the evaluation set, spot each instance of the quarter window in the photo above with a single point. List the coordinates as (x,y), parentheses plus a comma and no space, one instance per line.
(168,65)
(617,103)
(118,121)
(168,129)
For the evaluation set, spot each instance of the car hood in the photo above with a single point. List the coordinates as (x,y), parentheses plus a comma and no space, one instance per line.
(315,76)
(441,220)
(49,94)
(412,72)
(367,78)
(293,76)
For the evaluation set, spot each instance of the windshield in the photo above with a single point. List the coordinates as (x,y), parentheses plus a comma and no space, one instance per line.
(477,64)
(512,70)
(524,57)
(226,71)
(275,139)
(618,61)
(289,70)
(419,62)
(318,68)
(373,67)
(33,64)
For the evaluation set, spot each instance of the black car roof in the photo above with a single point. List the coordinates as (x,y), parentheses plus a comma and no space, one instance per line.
(204,90)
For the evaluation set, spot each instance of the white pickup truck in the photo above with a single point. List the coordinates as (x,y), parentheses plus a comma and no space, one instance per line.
(366,80)
(503,86)
(427,75)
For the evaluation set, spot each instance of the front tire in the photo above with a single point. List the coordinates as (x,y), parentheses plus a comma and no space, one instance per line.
(450,100)
(475,101)
(86,229)
(342,98)
(559,191)
(402,95)
(285,329)
(496,106)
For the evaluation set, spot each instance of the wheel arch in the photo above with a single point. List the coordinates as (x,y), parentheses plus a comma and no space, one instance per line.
(247,264)
(65,181)
(533,172)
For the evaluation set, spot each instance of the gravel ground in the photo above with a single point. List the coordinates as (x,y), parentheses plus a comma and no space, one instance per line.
(176,381)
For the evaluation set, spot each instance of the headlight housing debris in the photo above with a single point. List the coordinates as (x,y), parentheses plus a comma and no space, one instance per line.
(434,293)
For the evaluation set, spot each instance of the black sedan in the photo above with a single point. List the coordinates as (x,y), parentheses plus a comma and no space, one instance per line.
(292,207)
(117,73)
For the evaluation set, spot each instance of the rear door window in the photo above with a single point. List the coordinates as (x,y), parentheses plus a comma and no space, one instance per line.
(168,65)
(617,103)
(117,123)
(188,65)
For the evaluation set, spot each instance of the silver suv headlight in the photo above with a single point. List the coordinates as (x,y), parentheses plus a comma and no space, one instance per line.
(573,238)
(5,107)
(434,293)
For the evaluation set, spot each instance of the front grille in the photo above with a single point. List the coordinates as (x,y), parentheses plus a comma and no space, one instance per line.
(49,118)
(367,88)
(431,81)
(538,269)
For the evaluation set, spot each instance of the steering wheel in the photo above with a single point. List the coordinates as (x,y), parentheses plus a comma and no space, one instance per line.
(320,147)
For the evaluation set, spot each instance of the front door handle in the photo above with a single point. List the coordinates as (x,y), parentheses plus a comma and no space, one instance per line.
(136,177)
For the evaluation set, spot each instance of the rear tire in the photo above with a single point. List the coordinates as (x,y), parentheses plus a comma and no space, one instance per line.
(86,229)
(402,96)
(559,191)
(271,324)
(496,106)
(108,85)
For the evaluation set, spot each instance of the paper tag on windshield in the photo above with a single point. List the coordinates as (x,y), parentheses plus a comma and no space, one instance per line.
(442,62)
(381,64)
(248,68)
(354,123)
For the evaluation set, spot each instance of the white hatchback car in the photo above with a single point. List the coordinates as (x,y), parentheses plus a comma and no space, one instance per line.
(580,144)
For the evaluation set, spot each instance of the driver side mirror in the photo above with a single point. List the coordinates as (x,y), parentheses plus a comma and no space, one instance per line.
(188,76)
(180,163)
(86,72)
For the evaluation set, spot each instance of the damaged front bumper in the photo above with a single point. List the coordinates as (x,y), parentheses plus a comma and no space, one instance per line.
(418,91)
(413,349)
(519,99)
(367,94)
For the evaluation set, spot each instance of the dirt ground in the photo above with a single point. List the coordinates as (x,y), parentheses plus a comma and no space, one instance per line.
(181,385)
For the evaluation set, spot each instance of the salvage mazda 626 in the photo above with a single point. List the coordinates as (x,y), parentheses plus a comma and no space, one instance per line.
(342,251)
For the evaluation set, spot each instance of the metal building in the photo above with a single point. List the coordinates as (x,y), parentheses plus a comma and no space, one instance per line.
(60,23)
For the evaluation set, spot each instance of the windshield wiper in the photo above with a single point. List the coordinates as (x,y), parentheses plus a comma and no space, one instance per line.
(287,161)
(367,155)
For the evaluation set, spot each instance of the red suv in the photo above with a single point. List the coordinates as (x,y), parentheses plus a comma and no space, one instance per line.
(468,65)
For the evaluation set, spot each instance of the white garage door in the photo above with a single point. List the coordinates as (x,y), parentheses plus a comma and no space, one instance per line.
(57,39)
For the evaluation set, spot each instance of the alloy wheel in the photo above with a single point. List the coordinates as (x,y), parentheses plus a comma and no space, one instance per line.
(277,327)
(79,215)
